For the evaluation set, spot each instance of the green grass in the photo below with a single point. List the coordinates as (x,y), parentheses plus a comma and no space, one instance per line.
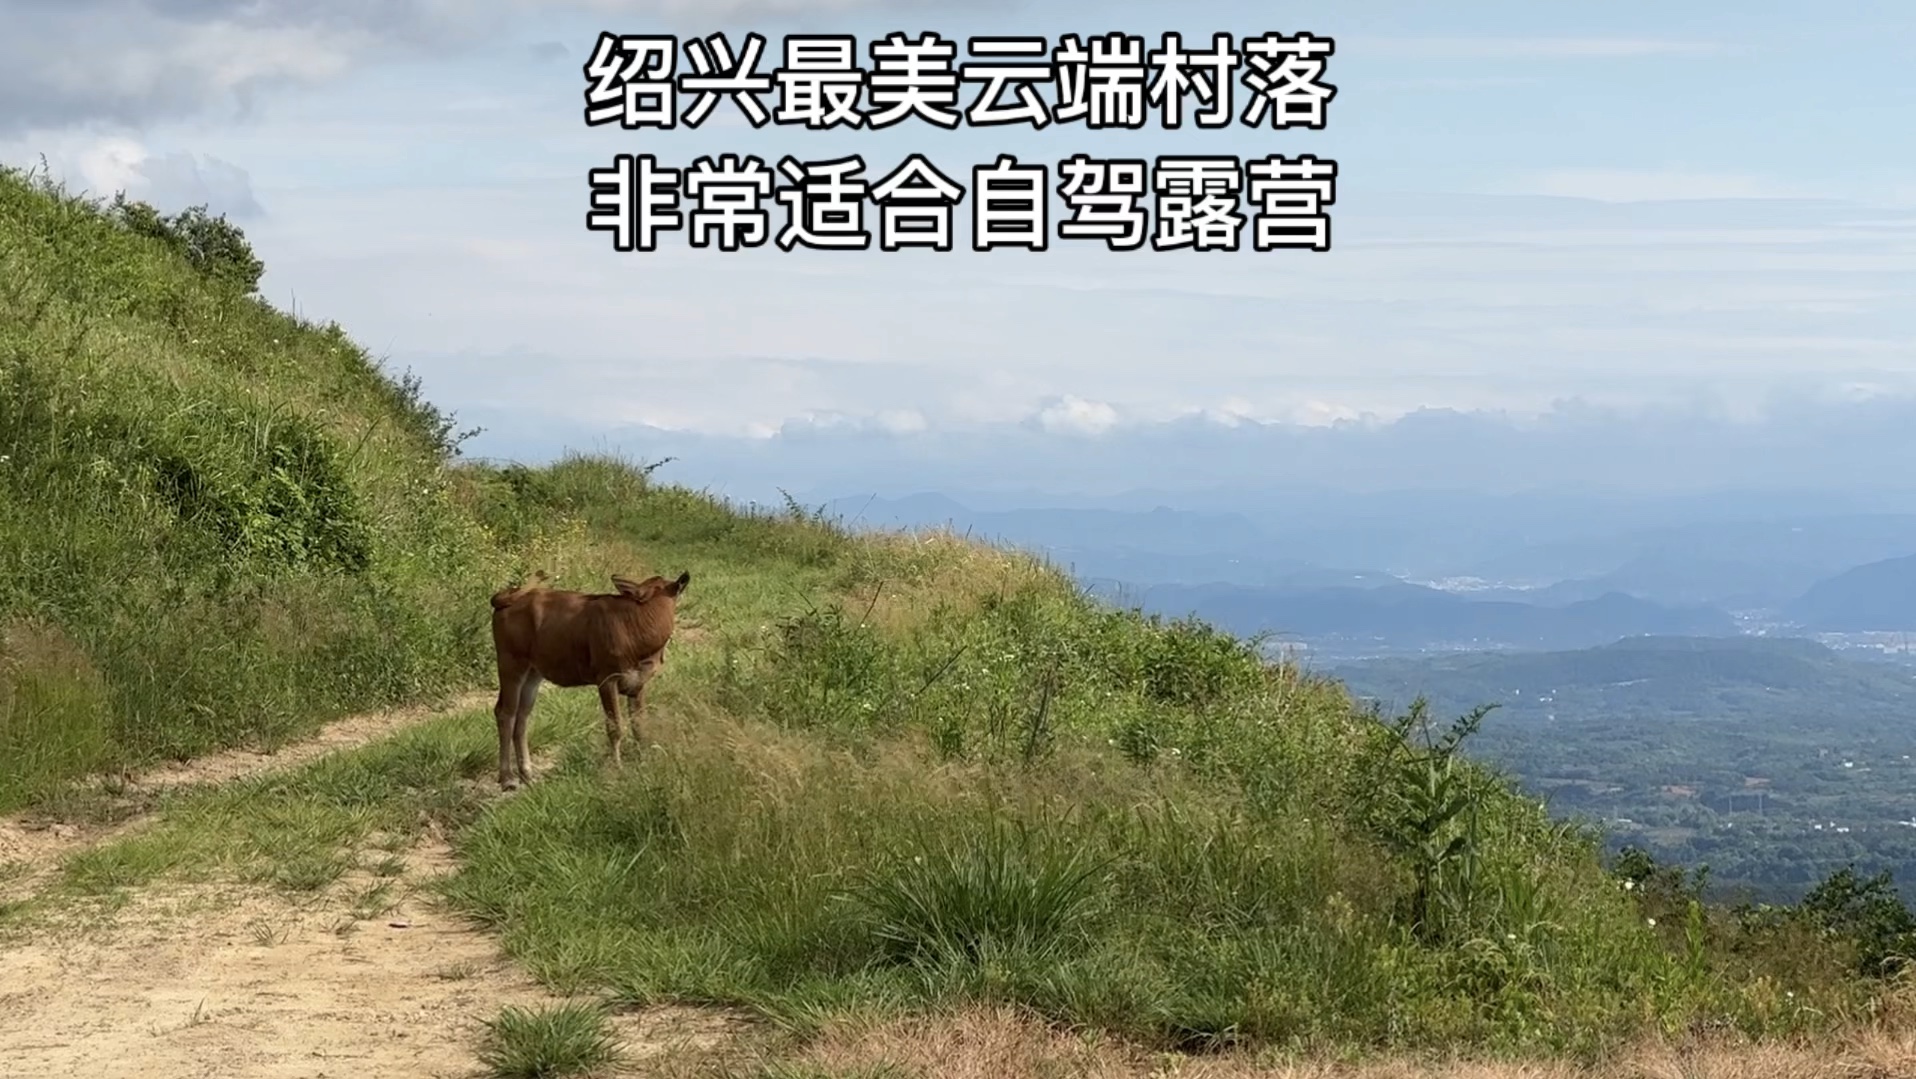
(881,775)
(564,1039)
(880,804)
(239,526)
(236,525)
(302,830)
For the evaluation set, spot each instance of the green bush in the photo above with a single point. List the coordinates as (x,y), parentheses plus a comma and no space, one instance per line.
(210,244)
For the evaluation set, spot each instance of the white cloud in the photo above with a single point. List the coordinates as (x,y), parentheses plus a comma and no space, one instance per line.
(903,421)
(132,62)
(101,166)
(1654,185)
(106,166)
(1468,301)
(1501,302)
(1075,415)
(126,63)
(1484,47)
(174,181)
(716,8)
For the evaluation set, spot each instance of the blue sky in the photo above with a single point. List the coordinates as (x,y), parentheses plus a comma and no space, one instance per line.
(1623,204)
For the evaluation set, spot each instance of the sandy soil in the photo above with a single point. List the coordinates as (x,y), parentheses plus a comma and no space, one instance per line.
(234,980)
(31,848)
(219,982)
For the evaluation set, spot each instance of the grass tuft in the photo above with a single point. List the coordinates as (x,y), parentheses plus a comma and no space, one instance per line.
(541,1043)
(962,899)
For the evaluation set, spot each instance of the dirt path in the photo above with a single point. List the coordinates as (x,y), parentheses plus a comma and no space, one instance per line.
(238,980)
(31,848)
(229,981)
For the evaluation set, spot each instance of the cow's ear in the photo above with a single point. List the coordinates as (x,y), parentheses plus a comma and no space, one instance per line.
(638,591)
(678,586)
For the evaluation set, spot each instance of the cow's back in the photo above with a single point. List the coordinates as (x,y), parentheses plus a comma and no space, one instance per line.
(551,631)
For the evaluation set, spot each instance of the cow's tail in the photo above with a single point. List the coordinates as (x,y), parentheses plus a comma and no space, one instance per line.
(505,597)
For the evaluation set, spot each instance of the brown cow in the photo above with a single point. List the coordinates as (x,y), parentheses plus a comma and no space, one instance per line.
(615,641)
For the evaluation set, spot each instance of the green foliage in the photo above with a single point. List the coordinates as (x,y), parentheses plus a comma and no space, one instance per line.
(287,505)
(54,708)
(1862,915)
(234,524)
(963,899)
(211,245)
(1428,818)
(1282,869)
(1775,761)
(1869,912)
(540,1043)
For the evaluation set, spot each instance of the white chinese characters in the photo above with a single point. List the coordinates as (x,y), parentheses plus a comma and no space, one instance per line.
(1104,82)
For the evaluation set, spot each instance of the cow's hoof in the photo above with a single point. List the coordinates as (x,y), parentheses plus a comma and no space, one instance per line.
(508,785)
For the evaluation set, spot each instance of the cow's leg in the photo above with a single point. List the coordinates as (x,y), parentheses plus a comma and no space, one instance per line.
(609,703)
(635,700)
(505,713)
(635,711)
(522,724)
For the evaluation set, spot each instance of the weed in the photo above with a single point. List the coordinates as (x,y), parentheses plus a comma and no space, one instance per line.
(536,1043)
(962,898)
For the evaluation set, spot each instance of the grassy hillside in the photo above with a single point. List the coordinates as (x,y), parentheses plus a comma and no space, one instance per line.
(221,522)
(885,774)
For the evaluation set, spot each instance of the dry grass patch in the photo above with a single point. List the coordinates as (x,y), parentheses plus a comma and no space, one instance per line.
(988,1043)
(913,577)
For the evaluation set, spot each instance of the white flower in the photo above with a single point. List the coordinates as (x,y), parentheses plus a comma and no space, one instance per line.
(1652,921)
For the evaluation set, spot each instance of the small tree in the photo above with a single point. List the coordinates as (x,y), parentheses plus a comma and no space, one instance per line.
(1868,912)
(210,243)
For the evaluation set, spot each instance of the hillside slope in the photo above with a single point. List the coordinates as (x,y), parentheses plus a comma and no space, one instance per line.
(1874,596)
(884,775)
(222,522)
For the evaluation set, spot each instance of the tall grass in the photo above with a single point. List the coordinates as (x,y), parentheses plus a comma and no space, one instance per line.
(221,523)
(1010,796)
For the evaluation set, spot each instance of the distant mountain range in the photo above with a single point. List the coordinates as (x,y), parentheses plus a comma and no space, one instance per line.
(1709,549)
(1877,596)
(1400,615)
(1543,582)
(1663,678)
